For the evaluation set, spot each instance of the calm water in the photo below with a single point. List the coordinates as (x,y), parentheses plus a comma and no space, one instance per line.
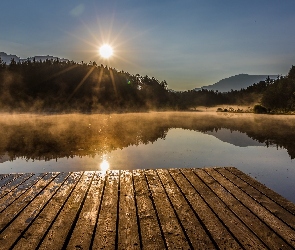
(262,146)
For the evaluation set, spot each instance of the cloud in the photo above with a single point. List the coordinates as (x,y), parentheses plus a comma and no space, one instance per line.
(78,10)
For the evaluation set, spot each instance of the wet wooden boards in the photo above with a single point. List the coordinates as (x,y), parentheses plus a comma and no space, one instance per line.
(210,208)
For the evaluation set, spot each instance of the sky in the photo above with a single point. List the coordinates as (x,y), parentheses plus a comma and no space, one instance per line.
(188,43)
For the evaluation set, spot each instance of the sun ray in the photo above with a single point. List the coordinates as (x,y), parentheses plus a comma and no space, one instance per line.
(120,39)
(81,39)
(81,82)
(113,82)
(90,32)
(127,61)
(100,77)
(59,73)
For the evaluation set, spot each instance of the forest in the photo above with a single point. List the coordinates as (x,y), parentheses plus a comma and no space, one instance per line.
(66,86)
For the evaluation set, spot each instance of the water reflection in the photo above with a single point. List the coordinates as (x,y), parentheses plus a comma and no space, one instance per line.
(104,165)
(236,138)
(40,137)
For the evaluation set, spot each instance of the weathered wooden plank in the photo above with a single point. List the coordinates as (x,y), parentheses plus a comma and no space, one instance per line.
(25,217)
(82,234)
(13,210)
(150,231)
(235,225)
(8,199)
(105,232)
(128,234)
(58,232)
(14,184)
(173,233)
(269,204)
(270,219)
(35,233)
(240,208)
(221,236)
(3,176)
(143,209)
(192,226)
(7,179)
(280,200)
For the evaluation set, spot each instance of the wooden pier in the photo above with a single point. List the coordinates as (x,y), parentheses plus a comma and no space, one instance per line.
(211,208)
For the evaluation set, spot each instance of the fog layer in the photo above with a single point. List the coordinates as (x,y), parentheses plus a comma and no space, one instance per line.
(51,137)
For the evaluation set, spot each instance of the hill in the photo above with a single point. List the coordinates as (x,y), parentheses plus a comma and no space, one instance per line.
(234,137)
(236,82)
(7,58)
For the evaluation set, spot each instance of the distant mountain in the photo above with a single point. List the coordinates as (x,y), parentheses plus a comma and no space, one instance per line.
(237,82)
(234,137)
(5,157)
(7,58)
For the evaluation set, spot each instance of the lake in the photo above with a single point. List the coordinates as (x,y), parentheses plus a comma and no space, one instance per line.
(262,146)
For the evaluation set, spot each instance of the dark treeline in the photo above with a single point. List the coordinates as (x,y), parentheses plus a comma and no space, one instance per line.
(280,94)
(273,95)
(56,86)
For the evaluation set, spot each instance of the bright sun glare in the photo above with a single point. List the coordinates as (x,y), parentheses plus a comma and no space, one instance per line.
(104,166)
(106,51)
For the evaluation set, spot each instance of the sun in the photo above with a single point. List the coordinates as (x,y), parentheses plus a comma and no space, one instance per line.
(106,51)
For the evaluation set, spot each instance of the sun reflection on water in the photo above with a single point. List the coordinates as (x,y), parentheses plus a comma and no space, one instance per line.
(104,165)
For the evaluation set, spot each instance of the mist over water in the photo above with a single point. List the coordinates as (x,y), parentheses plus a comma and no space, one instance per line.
(260,145)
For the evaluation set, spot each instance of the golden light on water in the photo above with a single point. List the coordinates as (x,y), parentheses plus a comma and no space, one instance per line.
(106,51)
(104,166)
